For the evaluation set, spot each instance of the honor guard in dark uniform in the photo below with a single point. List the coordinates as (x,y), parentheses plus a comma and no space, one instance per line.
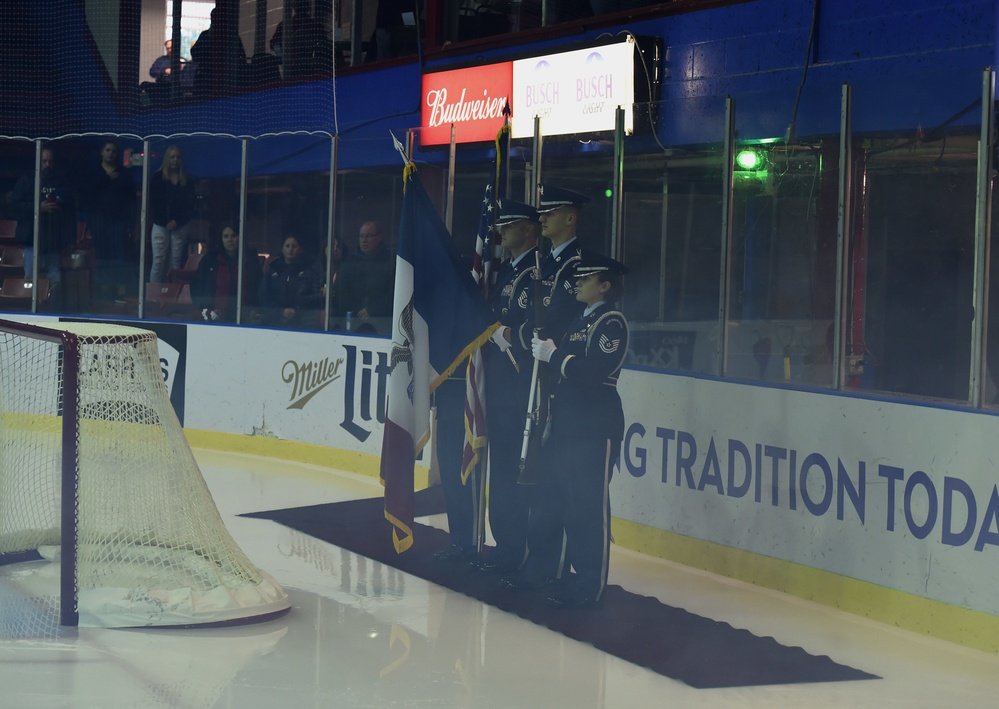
(508,380)
(559,211)
(586,428)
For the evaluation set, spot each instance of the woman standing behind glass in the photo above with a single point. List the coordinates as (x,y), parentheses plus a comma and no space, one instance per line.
(109,203)
(171,206)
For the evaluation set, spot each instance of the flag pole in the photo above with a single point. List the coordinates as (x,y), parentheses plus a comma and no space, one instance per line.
(410,166)
(400,149)
(499,192)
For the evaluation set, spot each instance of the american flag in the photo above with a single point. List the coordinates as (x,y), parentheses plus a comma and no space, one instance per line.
(483,271)
(486,256)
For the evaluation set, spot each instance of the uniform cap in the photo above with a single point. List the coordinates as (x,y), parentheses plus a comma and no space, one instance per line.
(511,212)
(554,197)
(596,263)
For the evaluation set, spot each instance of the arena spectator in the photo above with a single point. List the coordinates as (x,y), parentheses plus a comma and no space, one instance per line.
(108,201)
(162,68)
(172,206)
(367,278)
(56,220)
(215,284)
(291,290)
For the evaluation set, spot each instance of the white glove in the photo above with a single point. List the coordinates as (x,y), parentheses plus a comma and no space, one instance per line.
(499,339)
(542,349)
(211,315)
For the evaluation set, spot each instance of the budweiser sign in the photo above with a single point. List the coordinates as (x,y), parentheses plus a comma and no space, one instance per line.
(471,99)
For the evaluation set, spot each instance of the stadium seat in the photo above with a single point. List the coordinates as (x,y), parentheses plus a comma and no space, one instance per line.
(169,300)
(268,259)
(184,296)
(15,293)
(12,262)
(187,273)
(161,298)
(7,229)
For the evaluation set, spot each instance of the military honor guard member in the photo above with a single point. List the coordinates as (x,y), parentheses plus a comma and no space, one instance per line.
(508,380)
(560,212)
(586,429)
(518,224)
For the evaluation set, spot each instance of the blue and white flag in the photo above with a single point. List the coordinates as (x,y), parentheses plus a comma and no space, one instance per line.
(439,318)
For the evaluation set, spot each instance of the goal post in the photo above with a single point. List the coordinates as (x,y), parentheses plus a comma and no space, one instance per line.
(95,472)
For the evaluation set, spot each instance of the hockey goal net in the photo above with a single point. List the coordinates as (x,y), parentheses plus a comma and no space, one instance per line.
(95,472)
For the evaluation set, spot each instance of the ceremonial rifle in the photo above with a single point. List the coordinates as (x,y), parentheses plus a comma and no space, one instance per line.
(537,402)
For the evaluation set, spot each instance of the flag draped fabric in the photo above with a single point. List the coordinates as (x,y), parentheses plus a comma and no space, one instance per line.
(439,319)
(483,271)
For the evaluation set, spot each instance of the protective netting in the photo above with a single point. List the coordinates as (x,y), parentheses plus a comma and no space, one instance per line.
(175,671)
(151,548)
(29,602)
(240,68)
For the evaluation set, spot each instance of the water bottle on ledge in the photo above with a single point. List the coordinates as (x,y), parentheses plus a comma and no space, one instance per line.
(350,316)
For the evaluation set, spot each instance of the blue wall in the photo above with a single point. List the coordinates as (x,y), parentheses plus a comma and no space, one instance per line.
(911,64)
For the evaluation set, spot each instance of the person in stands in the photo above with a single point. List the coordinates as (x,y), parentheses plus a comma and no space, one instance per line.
(56,220)
(172,206)
(109,202)
(367,279)
(219,54)
(162,68)
(291,292)
(216,283)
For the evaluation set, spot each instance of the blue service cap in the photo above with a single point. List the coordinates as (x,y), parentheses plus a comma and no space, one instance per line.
(555,197)
(596,263)
(510,212)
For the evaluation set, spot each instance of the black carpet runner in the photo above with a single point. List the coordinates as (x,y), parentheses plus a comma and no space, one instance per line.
(701,652)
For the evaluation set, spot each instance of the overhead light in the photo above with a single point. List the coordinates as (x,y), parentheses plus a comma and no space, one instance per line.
(749,160)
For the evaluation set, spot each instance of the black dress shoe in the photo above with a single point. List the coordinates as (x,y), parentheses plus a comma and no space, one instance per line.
(456,552)
(522,583)
(495,567)
(570,601)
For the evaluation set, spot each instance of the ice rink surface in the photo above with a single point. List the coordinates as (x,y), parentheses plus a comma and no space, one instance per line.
(361,634)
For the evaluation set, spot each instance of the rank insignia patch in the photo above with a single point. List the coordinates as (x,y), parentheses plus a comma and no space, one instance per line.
(608,345)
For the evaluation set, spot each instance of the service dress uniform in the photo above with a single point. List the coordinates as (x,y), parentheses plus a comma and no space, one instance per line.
(507,394)
(585,431)
(558,284)
(558,279)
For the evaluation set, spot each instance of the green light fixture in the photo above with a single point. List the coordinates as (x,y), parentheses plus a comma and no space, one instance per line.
(748,160)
